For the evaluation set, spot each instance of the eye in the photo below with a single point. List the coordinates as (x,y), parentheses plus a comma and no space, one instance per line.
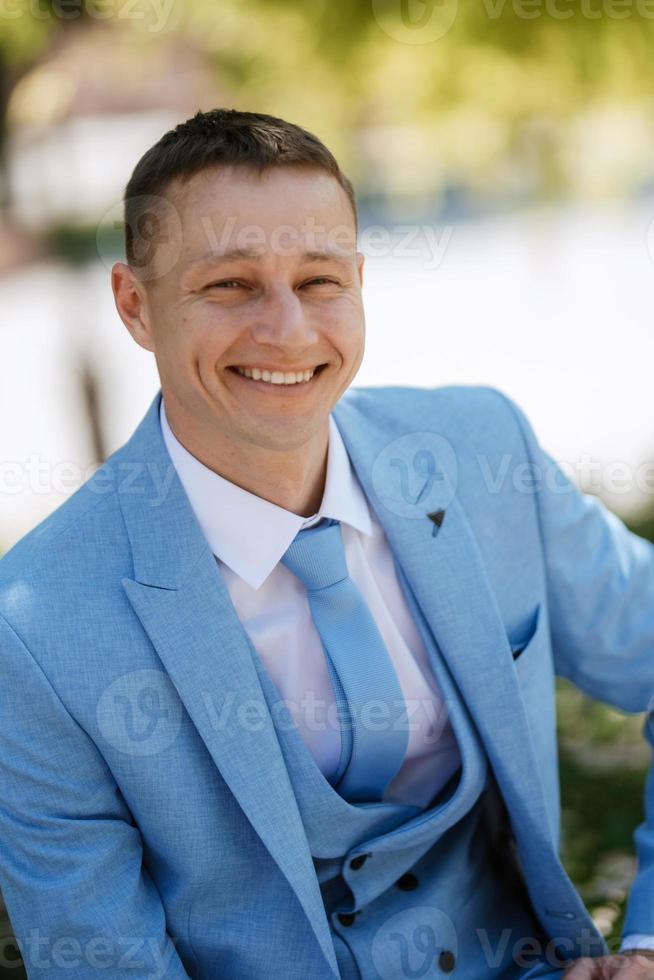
(223,283)
(321,280)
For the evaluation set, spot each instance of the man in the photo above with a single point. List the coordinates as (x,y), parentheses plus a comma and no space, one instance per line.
(278,680)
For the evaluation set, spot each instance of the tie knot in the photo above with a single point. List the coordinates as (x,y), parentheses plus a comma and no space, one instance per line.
(317,557)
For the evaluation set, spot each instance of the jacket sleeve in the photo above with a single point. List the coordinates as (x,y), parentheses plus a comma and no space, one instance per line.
(80,902)
(600,590)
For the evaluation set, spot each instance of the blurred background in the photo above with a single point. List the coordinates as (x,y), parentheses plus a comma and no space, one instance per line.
(502,152)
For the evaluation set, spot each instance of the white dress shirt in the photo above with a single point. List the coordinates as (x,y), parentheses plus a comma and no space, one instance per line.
(248,535)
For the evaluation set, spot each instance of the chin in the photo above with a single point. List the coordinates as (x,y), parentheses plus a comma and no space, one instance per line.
(285,436)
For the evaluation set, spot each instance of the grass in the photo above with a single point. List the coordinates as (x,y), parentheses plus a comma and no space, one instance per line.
(603,763)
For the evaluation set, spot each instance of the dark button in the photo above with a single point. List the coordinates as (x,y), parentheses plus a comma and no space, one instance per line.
(12,954)
(346,918)
(447,961)
(358,861)
(407,882)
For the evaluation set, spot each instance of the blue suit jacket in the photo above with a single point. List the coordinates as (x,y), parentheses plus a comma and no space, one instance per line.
(146,816)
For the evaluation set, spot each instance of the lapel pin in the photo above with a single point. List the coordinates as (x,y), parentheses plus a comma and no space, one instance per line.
(437,517)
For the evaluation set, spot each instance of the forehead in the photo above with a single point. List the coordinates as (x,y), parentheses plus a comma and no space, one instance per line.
(219,206)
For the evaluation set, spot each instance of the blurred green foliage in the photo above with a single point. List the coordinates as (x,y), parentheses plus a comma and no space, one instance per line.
(494,104)
(603,764)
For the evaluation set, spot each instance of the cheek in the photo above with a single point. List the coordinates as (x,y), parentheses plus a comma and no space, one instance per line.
(349,321)
(348,337)
(179,346)
(202,339)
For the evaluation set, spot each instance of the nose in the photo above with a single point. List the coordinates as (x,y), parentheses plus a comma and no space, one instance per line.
(281,320)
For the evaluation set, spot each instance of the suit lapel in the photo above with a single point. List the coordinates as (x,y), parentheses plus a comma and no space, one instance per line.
(436,549)
(438,554)
(441,561)
(180,598)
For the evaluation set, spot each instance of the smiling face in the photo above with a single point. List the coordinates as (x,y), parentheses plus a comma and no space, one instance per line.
(257,326)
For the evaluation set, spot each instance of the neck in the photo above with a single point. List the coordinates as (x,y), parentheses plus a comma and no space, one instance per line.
(293,479)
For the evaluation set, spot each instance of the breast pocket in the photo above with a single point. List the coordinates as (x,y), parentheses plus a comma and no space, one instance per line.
(526,647)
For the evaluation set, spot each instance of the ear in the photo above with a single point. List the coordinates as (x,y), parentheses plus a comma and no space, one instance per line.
(360,260)
(131,299)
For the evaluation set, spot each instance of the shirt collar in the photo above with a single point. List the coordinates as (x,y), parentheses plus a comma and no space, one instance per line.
(248,533)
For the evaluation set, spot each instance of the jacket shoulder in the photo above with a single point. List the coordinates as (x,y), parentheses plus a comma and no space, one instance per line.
(460,412)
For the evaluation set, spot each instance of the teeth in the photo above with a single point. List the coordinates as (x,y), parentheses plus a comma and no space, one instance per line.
(277,377)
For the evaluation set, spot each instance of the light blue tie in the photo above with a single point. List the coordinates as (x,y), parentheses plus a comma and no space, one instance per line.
(369,698)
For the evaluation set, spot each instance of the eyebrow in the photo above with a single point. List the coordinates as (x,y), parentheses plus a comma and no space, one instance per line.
(314,255)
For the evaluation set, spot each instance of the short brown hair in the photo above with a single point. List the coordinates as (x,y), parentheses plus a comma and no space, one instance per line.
(221,136)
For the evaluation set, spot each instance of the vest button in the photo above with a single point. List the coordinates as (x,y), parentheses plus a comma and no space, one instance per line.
(408,882)
(346,918)
(447,961)
(358,861)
